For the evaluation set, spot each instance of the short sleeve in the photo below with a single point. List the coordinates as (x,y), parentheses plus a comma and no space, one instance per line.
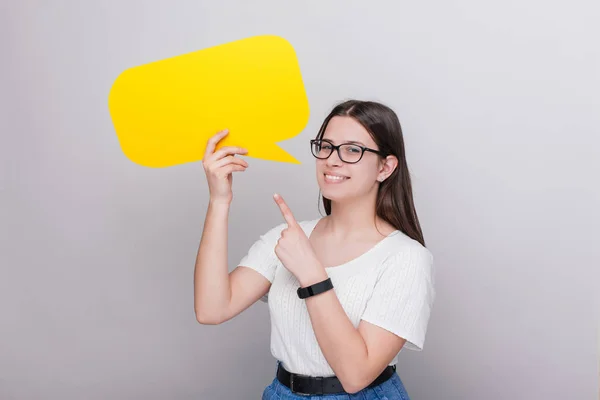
(403,296)
(261,256)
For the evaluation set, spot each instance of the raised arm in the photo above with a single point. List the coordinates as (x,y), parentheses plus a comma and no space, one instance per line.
(218,294)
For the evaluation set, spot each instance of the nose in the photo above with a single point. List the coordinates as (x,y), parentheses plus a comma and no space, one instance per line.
(334,159)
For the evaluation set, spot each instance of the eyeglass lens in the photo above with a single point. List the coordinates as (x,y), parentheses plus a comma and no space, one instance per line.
(347,152)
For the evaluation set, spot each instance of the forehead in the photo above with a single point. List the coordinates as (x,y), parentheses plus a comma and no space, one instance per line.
(347,129)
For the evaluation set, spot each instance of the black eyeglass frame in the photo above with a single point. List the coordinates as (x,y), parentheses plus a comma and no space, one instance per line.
(337,148)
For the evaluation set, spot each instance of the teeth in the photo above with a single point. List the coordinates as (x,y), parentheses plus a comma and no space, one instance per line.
(337,178)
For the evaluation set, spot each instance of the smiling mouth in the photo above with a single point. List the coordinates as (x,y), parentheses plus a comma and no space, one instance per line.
(334,178)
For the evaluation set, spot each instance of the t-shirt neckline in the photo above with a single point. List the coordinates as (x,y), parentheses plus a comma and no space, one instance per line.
(355,259)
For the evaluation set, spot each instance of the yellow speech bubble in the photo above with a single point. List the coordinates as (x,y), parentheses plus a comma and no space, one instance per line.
(165,111)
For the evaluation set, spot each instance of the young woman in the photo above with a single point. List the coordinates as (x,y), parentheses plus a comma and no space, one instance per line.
(346,292)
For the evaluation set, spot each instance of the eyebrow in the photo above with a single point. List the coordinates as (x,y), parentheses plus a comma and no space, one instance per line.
(346,142)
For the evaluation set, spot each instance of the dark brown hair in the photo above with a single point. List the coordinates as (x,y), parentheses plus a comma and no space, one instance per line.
(394,197)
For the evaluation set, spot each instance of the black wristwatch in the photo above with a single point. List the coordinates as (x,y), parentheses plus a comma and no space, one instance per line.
(320,287)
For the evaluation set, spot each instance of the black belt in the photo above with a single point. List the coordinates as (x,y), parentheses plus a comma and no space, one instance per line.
(323,385)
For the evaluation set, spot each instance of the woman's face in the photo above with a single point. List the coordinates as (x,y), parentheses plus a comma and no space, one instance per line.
(339,180)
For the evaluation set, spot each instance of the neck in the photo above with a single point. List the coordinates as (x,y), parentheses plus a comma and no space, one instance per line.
(353,218)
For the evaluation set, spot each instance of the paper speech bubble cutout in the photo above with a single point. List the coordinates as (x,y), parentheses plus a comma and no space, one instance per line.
(165,111)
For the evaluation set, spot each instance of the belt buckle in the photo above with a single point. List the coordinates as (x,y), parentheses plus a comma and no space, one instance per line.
(292,387)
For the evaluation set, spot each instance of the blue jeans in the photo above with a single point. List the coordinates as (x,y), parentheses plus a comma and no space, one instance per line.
(392,389)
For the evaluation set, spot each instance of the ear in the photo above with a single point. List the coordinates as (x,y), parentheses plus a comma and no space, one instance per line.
(387,166)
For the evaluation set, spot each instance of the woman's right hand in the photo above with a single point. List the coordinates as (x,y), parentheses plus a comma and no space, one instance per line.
(219,167)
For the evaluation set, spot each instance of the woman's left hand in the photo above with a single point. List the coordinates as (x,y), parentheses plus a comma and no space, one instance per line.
(295,251)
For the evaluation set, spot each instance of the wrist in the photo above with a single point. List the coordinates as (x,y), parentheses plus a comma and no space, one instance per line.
(315,276)
(222,203)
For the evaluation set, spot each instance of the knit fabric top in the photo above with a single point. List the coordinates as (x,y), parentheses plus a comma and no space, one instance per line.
(391,286)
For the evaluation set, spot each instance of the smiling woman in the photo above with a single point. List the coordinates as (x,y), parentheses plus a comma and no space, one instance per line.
(346,292)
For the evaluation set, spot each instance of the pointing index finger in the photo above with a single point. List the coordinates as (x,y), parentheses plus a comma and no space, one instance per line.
(285,210)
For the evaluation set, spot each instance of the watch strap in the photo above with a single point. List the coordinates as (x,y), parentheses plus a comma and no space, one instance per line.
(312,290)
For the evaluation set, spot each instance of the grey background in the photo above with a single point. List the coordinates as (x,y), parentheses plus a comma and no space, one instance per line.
(499,105)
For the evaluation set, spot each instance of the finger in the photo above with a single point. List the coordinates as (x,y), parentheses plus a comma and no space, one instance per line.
(224,151)
(231,168)
(228,160)
(285,210)
(212,142)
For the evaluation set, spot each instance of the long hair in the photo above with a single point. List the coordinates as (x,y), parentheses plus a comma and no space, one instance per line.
(394,202)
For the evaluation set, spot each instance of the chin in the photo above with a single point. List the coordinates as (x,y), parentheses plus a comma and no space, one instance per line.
(335,194)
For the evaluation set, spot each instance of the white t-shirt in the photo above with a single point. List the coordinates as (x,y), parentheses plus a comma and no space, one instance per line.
(391,285)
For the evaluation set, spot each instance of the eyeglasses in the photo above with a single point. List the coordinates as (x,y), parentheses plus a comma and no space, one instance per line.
(348,152)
